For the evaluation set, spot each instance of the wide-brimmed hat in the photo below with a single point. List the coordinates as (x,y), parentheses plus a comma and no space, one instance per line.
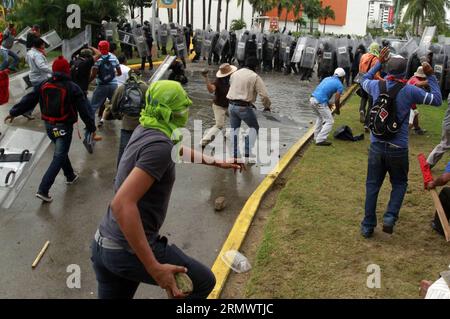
(419,73)
(225,70)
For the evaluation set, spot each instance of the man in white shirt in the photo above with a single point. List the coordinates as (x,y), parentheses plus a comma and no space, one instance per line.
(121,79)
(245,85)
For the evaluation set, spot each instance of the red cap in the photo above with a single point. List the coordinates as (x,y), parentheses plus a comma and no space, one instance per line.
(103,47)
(61,65)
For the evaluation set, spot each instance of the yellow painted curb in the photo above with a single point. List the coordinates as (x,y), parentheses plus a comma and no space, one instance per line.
(242,224)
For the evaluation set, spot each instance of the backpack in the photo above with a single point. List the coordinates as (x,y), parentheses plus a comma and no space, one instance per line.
(383,121)
(444,197)
(133,100)
(106,71)
(75,69)
(53,101)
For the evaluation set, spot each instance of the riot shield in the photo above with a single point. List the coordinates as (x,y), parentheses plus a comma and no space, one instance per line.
(301,44)
(199,34)
(240,48)
(221,42)
(126,38)
(408,48)
(180,45)
(52,40)
(163,67)
(20,152)
(287,50)
(309,54)
(425,41)
(328,56)
(19,49)
(206,46)
(343,57)
(22,36)
(446,80)
(139,40)
(439,63)
(111,31)
(396,45)
(259,45)
(270,46)
(163,35)
(70,46)
(368,40)
(283,43)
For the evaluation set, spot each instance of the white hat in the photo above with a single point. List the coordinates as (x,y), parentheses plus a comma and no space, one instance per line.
(339,72)
(225,70)
(419,73)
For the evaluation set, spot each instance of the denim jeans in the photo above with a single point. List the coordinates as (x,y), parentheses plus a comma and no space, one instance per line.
(60,157)
(101,93)
(385,158)
(120,272)
(5,56)
(246,114)
(125,136)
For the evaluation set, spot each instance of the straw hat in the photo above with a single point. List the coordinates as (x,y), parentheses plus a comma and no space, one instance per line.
(225,70)
(419,73)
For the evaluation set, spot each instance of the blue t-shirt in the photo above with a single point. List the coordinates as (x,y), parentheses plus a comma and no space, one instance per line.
(325,90)
(447,168)
(113,60)
(407,96)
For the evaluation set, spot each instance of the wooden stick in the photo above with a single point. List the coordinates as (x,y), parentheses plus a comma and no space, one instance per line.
(41,253)
(441,214)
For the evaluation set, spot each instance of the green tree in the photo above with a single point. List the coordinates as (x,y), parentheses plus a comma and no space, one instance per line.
(241,3)
(313,10)
(299,22)
(237,24)
(51,14)
(226,14)
(327,13)
(425,12)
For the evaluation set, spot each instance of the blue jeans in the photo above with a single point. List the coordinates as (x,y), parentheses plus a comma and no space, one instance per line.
(5,56)
(101,93)
(60,157)
(385,158)
(246,114)
(120,272)
(125,136)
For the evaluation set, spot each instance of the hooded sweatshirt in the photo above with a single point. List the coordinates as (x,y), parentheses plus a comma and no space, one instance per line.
(40,71)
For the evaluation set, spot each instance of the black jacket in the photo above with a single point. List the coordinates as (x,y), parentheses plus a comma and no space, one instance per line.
(76,98)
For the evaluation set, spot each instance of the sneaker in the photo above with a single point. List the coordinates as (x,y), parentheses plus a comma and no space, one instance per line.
(366,233)
(324,143)
(388,229)
(72,180)
(100,124)
(97,138)
(362,116)
(44,197)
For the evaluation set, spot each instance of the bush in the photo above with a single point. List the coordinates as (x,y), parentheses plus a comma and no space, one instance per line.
(238,24)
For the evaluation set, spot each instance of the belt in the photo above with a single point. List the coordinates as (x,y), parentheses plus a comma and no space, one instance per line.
(105,242)
(241,103)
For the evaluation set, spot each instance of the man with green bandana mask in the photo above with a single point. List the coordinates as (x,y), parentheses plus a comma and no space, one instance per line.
(128,249)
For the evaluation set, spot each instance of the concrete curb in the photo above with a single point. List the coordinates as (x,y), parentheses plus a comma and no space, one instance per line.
(243,221)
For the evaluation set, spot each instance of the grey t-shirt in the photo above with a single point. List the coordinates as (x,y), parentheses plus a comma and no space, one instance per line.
(149,150)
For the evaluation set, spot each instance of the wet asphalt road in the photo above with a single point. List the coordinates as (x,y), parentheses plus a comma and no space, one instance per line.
(70,221)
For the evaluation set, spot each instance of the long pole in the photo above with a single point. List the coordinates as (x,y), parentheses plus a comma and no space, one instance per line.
(154,20)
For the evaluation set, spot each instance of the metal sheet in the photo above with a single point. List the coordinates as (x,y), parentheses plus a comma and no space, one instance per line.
(70,46)
(425,41)
(126,38)
(52,39)
(15,140)
(162,69)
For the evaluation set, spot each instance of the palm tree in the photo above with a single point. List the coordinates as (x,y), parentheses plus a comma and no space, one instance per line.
(187,12)
(241,3)
(219,10)
(209,12)
(204,14)
(422,11)
(226,14)
(299,22)
(313,10)
(178,11)
(327,13)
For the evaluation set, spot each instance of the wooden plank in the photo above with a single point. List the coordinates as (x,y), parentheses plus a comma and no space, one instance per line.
(41,253)
(441,214)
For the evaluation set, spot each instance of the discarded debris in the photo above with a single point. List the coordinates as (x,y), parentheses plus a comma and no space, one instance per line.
(219,203)
(236,261)
(41,253)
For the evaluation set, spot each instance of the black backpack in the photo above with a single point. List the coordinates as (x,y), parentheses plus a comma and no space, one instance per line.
(345,133)
(133,100)
(106,71)
(54,97)
(383,119)
(76,69)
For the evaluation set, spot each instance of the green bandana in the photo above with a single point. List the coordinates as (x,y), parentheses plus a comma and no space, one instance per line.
(166,108)
(374,49)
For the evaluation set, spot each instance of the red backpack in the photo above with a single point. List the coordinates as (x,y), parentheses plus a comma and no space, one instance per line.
(54,105)
(4,86)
